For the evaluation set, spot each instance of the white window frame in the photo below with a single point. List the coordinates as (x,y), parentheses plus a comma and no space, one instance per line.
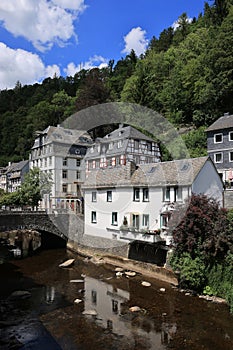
(109,196)
(166,190)
(136,198)
(94,196)
(215,135)
(114,218)
(231,152)
(119,144)
(145,220)
(230,134)
(145,194)
(93,217)
(215,154)
(64,174)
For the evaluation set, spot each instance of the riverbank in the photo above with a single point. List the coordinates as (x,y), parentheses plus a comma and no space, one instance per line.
(150,270)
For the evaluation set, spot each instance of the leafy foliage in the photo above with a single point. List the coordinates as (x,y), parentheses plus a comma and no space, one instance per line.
(185,74)
(203,247)
(30,193)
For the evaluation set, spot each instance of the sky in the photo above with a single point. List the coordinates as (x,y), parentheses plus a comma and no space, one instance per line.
(41,38)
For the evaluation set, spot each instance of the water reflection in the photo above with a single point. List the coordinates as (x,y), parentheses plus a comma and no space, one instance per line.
(49,294)
(114,316)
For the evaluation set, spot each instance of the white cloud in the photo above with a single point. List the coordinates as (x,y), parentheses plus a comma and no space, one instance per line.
(71,4)
(23,66)
(93,62)
(42,22)
(176,24)
(135,40)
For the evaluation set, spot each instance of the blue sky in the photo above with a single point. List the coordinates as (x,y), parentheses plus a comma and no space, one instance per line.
(39,38)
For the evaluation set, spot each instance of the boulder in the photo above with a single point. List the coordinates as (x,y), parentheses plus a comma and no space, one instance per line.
(134,309)
(130,273)
(90,312)
(146,284)
(67,263)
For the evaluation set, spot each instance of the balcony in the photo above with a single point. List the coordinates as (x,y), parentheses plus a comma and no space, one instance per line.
(144,235)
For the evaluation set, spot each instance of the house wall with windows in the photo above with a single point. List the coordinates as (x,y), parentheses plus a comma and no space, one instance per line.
(59,152)
(220,145)
(141,204)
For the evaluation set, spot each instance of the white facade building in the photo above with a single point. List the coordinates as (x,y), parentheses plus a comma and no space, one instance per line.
(59,153)
(135,203)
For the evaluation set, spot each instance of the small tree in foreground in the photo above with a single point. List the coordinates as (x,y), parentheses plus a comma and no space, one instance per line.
(201,228)
(203,240)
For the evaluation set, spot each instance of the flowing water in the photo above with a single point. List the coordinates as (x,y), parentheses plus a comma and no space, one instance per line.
(47,317)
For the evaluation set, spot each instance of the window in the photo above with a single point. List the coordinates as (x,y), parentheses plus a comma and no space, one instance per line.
(50,160)
(119,144)
(149,146)
(64,174)
(109,196)
(230,156)
(178,193)
(136,194)
(145,220)
(115,306)
(94,297)
(136,144)
(93,197)
(64,162)
(218,138)
(110,146)
(135,221)
(114,218)
(78,162)
(78,175)
(166,194)
(93,217)
(145,194)
(218,157)
(64,188)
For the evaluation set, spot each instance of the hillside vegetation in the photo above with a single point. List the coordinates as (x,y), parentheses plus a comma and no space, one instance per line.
(186,75)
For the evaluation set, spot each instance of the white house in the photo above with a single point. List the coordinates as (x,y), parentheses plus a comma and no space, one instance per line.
(59,152)
(135,203)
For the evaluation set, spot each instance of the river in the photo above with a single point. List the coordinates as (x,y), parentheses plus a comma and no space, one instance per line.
(44,316)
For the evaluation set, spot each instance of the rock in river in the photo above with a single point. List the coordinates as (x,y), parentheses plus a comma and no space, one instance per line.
(67,263)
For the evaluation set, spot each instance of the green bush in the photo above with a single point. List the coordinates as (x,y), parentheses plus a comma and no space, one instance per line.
(220,279)
(192,271)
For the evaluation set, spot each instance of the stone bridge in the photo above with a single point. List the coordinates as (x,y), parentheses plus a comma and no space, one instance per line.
(54,224)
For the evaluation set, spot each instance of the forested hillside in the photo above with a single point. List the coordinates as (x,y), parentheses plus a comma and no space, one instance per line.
(186,74)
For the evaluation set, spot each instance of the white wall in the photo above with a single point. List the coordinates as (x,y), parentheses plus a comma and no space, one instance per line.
(209,183)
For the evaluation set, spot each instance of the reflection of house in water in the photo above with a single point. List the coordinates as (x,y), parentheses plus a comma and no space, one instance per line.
(109,302)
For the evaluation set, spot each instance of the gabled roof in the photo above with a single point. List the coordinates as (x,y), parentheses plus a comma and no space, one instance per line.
(224,122)
(126,132)
(122,133)
(17,166)
(176,172)
(66,136)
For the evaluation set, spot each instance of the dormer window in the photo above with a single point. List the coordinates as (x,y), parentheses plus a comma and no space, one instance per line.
(218,138)
(119,144)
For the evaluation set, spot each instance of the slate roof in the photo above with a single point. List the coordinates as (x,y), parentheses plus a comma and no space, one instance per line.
(67,136)
(122,133)
(182,172)
(17,166)
(126,133)
(224,122)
